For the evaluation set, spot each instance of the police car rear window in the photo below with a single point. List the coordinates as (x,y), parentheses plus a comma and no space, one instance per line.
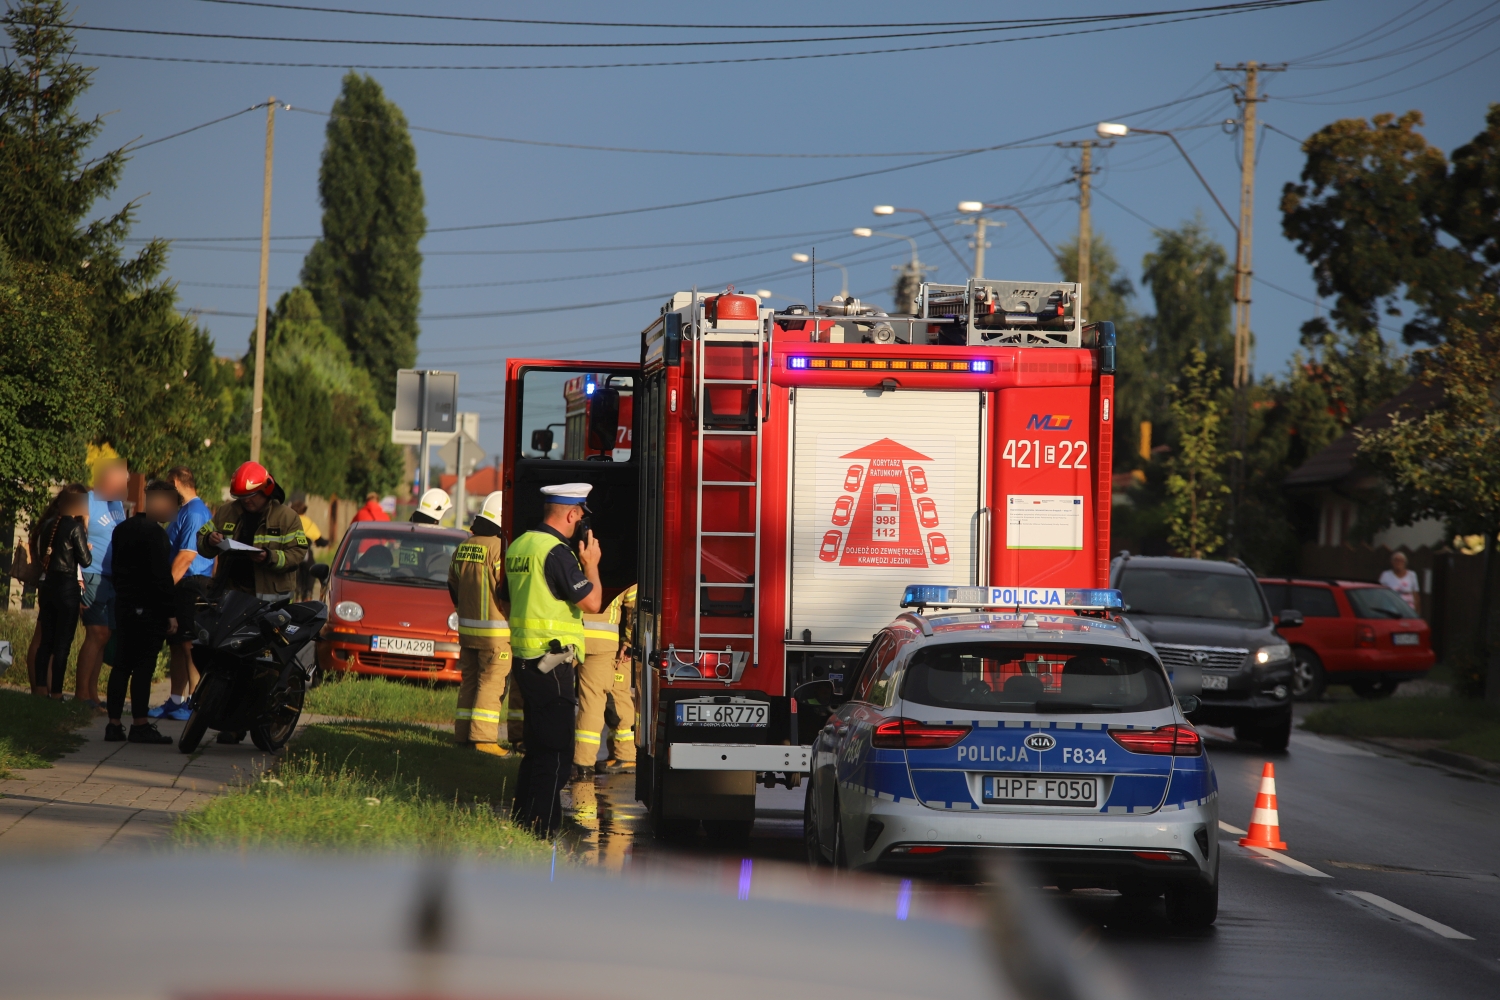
(1006,677)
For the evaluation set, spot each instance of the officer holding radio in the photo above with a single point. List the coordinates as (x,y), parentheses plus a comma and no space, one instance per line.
(551,580)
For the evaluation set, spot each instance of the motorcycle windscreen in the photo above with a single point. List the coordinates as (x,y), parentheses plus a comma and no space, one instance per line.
(1040,717)
(885,493)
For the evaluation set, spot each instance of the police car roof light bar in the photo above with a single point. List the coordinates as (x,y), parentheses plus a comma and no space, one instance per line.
(920,595)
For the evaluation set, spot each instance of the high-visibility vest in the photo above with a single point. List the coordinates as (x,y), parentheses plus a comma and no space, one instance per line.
(536,615)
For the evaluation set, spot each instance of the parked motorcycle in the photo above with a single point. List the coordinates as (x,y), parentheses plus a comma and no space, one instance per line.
(256,661)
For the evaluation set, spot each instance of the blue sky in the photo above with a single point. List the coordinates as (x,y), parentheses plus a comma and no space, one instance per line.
(1347,58)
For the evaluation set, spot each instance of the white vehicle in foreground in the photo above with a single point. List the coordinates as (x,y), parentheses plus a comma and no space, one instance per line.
(1053,736)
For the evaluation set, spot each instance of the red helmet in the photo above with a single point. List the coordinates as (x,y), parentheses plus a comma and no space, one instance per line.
(251,477)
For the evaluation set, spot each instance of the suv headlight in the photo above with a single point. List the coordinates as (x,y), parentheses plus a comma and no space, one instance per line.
(349,611)
(453,622)
(1274,653)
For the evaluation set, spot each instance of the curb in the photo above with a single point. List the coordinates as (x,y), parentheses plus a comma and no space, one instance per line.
(1447,758)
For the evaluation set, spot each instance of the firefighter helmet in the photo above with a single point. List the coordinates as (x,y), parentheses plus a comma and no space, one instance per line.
(434,504)
(491,509)
(251,477)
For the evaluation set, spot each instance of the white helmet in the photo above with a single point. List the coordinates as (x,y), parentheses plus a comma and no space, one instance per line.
(434,504)
(492,506)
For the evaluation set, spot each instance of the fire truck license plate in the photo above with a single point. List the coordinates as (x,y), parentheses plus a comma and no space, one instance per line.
(707,712)
(1023,790)
(401,644)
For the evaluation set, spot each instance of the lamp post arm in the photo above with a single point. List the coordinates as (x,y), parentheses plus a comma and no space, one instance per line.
(1196,173)
(961,262)
(1035,232)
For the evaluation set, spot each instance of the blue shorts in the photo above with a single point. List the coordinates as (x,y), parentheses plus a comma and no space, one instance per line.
(98,600)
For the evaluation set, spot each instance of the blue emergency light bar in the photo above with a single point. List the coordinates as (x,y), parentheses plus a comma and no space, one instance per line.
(919,595)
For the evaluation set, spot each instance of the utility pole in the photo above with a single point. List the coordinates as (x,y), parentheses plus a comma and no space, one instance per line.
(975,211)
(257,396)
(1085,172)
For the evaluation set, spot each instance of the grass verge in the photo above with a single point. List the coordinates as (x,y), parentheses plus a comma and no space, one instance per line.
(352,696)
(1468,726)
(35,730)
(370,787)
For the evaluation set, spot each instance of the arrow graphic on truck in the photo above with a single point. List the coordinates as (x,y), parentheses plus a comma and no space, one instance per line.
(889,523)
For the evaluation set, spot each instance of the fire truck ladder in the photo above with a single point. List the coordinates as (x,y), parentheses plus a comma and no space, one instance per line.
(746,424)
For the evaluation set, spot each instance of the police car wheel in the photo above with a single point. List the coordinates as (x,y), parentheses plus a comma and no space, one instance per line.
(810,839)
(1193,904)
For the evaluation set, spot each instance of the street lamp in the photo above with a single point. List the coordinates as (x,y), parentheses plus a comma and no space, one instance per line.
(974,206)
(1117,130)
(865,233)
(892,209)
(803,258)
(980,223)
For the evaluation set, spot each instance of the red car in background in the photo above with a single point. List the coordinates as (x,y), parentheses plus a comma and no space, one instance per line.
(1354,633)
(389,609)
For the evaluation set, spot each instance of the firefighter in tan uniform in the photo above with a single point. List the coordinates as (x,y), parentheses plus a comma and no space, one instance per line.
(474,579)
(601,643)
(619,710)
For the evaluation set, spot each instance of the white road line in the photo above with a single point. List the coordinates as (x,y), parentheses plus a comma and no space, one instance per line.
(1329,746)
(1233,829)
(1442,930)
(1292,863)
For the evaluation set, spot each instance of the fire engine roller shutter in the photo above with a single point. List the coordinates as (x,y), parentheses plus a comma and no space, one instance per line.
(885,492)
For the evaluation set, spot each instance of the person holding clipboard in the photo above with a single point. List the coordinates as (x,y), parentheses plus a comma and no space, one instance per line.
(257,539)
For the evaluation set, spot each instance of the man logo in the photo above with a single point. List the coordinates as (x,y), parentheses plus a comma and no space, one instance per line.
(1040,741)
(1049,422)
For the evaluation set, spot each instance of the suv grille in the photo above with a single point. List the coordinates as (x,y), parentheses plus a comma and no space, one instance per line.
(1213,657)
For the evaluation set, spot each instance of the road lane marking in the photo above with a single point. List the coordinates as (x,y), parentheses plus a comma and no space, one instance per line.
(1292,863)
(1442,930)
(1233,829)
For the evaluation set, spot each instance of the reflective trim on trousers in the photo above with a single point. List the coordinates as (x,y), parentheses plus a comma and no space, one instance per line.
(478,714)
(624,734)
(584,736)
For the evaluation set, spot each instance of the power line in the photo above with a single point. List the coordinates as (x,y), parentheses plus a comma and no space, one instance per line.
(1392,93)
(243,111)
(1219,9)
(1242,9)
(636,24)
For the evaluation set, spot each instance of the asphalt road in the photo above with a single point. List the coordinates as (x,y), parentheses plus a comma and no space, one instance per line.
(1421,843)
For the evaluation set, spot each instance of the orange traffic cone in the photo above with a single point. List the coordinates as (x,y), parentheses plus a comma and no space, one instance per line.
(1265,824)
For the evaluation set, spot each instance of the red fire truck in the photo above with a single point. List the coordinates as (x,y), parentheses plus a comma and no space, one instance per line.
(787,475)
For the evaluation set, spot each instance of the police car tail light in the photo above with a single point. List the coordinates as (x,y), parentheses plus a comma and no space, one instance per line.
(1173,740)
(908,734)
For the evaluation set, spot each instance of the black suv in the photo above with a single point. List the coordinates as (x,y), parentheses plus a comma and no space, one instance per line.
(1211,617)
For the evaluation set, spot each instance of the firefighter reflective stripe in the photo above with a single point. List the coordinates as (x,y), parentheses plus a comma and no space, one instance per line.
(297,537)
(593,629)
(515,713)
(477,714)
(584,736)
(625,734)
(483,626)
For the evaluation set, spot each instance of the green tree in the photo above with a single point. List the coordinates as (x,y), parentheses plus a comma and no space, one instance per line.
(144,352)
(1193,288)
(1196,489)
(1446,463)
(50,407)
(365,273)
(324,431)
(1381,216)
(1110,295)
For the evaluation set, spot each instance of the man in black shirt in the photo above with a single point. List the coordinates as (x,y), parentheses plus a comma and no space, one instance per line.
(145,610)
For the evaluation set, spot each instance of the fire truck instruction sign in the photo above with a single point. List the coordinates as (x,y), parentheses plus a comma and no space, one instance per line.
(1035,521)
(885,493)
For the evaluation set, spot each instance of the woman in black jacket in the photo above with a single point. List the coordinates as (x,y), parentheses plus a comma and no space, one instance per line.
(61,547)
(145,609)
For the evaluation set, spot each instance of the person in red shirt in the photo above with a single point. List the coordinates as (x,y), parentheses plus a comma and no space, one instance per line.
(371,511)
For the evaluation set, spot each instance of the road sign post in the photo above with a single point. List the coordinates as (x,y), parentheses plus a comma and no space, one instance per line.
(427,402)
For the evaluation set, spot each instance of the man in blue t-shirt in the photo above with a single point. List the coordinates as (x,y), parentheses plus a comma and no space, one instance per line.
(192,574)
(106,510)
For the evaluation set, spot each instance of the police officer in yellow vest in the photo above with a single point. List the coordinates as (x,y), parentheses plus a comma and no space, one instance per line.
(604,696)
(476,578)
(549,584)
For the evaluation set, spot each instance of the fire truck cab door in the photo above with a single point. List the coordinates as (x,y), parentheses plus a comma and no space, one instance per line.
(886,491)
(569,406)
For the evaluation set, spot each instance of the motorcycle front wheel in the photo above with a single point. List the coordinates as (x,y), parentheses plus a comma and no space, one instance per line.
(281,723)
(205,705)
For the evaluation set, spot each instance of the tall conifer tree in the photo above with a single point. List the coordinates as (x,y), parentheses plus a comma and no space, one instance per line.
(365,273)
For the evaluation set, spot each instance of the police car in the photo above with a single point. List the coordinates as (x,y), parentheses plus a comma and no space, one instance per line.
(1048,731)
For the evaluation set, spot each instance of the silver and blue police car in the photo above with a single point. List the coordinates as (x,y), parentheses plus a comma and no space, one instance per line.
(1051,734)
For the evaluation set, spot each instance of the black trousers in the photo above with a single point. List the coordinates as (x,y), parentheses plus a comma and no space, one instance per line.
(547,765)
(140,641)
(57,616)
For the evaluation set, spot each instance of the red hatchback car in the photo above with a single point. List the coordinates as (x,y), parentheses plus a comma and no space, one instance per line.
(390,613)
(1360,634)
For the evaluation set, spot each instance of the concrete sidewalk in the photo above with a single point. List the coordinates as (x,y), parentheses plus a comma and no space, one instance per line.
(117,796)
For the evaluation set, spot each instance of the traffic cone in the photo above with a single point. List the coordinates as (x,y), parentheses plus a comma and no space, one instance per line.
(1265,824)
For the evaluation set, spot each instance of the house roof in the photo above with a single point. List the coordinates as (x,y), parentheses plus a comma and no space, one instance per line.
(481,482)
(1336,462)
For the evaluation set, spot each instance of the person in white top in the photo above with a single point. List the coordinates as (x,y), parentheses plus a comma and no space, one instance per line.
(1403,581)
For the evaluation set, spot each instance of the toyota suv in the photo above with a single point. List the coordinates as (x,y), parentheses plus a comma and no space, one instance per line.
(1211,618)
